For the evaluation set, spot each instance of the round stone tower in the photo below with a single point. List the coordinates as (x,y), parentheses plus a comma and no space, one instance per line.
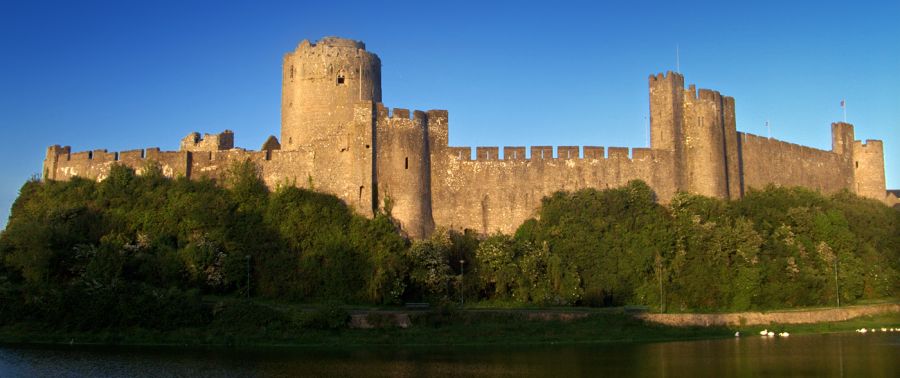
(320,83)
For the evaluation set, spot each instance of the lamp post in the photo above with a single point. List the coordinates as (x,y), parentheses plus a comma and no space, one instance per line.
(837,286)
(462,275)
(248,275)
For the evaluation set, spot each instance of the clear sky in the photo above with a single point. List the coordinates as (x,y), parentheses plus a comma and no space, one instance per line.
(123,75)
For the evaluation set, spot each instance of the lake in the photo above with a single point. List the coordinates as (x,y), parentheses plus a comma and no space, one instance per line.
(847,354)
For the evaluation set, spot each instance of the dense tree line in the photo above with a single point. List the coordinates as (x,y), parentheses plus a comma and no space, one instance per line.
(144,250)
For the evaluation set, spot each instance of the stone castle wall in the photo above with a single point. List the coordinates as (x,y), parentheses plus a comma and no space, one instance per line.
(338,138)
(771,161)
(490,194)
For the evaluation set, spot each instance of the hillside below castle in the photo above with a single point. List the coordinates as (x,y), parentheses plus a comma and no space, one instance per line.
(337,137)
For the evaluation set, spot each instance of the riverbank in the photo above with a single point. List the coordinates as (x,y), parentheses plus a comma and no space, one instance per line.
(438,327)
(824,315)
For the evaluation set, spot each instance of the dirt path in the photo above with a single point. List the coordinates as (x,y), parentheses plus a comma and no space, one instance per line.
(780,317)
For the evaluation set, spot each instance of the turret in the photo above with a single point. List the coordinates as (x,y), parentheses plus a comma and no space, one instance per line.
(666,102)
(842,138)
(699,130)
(403,169)
(666,108)
(704,143)
(321,83)
(868,169)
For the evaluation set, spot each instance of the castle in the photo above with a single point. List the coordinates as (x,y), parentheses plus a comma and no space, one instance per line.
(337,137)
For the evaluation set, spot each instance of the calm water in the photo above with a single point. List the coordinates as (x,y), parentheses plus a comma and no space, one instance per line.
(849,355)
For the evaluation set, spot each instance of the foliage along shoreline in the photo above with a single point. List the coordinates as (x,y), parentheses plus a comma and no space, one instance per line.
(430,329)
(143,251)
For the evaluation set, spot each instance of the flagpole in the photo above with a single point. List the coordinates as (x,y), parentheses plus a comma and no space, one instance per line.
(677,60)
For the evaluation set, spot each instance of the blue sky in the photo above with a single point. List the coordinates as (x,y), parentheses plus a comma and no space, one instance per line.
(122,75)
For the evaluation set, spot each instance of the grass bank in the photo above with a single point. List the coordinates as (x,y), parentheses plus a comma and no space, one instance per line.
(249,324)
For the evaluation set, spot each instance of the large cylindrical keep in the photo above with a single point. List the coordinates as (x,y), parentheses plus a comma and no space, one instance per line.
(321,82)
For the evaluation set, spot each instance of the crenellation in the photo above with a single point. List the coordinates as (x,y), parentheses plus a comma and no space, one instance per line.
(514,153)
(151,153)
(487,153)
(80,156)
(131,155)
(541,152)
(338,137)
(101,156)
(400,113)
(691,92)
(869,143)
(618,153)
(641,154)
(461,153)
(709,95)
(382,112)
(594,152)
(567,152)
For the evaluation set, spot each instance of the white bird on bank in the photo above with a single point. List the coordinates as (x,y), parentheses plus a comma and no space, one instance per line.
(862,330)
(737,334)
(764,332)
(883,329)
(784,334)
(771,334)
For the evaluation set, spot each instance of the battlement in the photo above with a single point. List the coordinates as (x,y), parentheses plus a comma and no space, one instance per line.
(710,95)
(330,48)
(461,153)
(487,153)
(437,114)
(385,113)
(541,152)
(594,152)
(337,42)
(538,153)
(869,144)
(567,152)
(667,76)
(514,153)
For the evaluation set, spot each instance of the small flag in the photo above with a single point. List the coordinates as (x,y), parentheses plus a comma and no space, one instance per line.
(842,103)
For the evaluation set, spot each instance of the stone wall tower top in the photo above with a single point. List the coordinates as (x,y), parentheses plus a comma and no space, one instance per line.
(320,83)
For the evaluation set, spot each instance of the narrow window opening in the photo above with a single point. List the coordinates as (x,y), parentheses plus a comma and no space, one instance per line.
(340,80)
(857,164)
(290,140)
(367,146)
(406,163)
(292,72)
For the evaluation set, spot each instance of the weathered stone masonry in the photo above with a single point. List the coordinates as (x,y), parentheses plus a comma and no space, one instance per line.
(338,138)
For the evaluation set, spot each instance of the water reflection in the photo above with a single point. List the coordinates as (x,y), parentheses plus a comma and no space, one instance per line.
(815,355)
